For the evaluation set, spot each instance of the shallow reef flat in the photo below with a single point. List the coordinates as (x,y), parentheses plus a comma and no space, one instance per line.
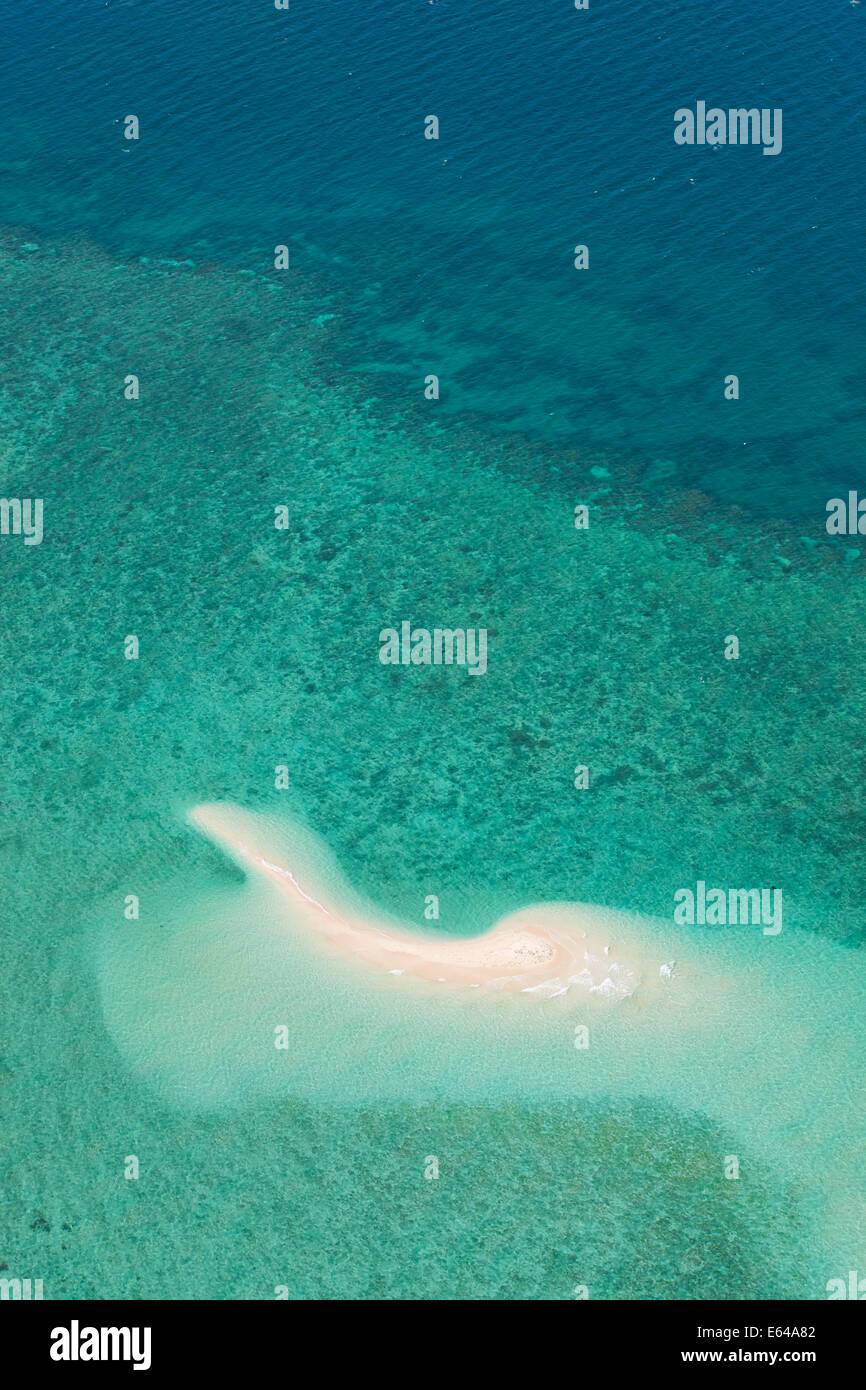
(258,649)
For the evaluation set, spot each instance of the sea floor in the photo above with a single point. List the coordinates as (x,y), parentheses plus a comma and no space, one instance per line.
(259,649)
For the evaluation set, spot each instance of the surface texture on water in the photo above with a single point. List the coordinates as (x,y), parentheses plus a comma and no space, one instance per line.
(455,256)
(259,648)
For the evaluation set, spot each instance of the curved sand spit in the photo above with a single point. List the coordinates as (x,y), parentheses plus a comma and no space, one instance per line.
(545,950)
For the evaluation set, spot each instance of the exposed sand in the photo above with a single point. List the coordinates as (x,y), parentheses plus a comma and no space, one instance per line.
(545,950)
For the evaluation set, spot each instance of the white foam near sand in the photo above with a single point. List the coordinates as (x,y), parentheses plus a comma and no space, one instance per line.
(287,985)
(546,950)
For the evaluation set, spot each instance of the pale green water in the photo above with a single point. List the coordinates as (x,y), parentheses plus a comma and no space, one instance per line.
(259,648)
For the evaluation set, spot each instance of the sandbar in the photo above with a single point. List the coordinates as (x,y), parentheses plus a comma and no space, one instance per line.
(546,950)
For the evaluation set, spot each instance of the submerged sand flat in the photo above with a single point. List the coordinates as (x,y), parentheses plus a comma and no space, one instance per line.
(547,949)
(289,984)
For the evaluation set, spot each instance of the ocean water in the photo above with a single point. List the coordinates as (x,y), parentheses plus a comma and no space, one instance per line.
(259,648)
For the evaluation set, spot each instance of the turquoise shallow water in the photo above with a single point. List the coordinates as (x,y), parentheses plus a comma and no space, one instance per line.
(259,648)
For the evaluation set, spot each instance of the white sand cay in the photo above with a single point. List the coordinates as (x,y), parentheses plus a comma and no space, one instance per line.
(545,950)
(287,985)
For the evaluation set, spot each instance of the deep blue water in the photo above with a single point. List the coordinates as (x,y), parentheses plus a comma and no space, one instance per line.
(306,127)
